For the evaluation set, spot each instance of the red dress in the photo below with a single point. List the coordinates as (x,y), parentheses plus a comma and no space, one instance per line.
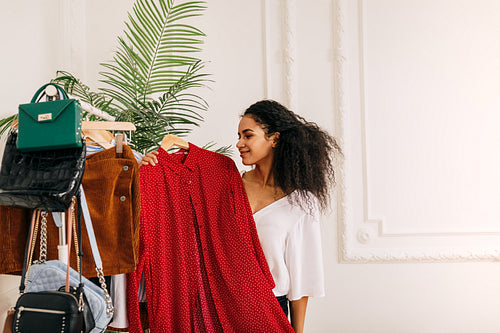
(203,265)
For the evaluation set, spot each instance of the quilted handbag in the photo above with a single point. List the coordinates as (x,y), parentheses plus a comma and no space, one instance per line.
(45,180)
(54,124)
(51,275)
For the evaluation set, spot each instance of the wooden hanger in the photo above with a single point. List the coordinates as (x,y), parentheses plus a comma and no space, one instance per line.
(99,132)
(100,137)
(171,140)
(108,125)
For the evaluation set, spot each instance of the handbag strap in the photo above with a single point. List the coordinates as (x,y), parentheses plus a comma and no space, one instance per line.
(33,237)
(62,93)
(69,233)
(90,231)
(82,206)
(28,251)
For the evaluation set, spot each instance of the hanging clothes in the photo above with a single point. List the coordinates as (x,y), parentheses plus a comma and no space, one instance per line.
(118,286)
(199,252)
(111,185)
(14,229)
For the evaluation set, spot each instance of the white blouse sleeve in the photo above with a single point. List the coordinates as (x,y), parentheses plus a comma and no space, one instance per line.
(304,258)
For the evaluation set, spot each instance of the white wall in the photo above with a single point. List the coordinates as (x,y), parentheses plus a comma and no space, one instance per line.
(410,89)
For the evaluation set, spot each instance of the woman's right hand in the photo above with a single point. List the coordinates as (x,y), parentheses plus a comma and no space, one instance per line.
(149,158)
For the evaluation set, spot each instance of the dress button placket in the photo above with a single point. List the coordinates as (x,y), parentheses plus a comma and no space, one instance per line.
(201,229)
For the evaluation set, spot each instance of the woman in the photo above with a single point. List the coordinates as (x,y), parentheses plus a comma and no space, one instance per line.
(286,188)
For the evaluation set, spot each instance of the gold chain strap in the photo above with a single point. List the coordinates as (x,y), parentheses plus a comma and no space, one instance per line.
(75,235)
(109,303)
(43,238)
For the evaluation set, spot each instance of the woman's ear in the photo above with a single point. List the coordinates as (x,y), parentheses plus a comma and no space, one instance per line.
(275,138)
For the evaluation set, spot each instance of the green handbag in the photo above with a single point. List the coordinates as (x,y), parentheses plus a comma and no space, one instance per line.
(54,124)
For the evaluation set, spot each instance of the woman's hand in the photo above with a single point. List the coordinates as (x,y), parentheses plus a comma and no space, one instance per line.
(149,158)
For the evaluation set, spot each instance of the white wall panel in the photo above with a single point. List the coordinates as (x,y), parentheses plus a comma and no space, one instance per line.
(420,178)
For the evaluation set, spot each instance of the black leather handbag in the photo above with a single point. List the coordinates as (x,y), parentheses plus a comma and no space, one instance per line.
(48,311)
(45,180)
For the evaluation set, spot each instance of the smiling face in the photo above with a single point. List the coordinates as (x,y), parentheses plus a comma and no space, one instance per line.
(254,145)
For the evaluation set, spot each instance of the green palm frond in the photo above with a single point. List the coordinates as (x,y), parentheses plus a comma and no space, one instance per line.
(6,123)
(157,49)
(175,112)
(154,70)
(225,150)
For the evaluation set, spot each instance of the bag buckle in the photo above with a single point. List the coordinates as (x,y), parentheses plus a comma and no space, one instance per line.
(81,303)
(51,93)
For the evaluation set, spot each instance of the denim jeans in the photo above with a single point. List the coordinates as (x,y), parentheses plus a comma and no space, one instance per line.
(283,303)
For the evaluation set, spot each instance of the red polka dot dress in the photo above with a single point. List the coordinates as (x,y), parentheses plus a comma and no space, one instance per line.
(203,266)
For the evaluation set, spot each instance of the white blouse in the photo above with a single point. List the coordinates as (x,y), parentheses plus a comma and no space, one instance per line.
(291,240)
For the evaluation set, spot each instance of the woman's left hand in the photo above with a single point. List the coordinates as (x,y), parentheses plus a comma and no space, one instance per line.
(149,158)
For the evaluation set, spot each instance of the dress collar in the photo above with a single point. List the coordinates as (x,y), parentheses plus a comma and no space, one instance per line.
(180,159)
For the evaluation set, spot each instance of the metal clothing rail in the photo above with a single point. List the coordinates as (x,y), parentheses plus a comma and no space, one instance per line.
(93,110)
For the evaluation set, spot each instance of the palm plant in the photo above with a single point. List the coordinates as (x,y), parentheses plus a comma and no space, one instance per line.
(151,79)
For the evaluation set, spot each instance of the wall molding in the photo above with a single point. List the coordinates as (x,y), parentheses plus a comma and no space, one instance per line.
(290,54)
(266,36)
(361,239)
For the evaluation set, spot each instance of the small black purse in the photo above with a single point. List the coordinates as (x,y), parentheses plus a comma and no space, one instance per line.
(45,180)
(48,311)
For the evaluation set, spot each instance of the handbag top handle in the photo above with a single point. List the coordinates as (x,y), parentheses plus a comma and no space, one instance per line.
(38,94)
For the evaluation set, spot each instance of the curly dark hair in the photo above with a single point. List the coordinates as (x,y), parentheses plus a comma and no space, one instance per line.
(303,156)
